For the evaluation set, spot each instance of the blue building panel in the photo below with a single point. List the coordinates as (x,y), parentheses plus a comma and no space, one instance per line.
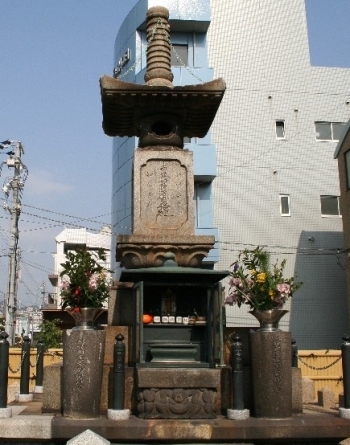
(204,162)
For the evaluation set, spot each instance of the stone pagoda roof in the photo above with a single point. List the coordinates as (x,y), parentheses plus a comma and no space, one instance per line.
(124,104)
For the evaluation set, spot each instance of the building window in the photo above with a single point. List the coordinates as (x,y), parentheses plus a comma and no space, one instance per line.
(347,168)
(179,55)
(330,205)
(329,131)
(280,130)
(285,205)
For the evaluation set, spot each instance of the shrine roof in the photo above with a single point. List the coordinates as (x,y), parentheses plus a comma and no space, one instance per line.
(174,275)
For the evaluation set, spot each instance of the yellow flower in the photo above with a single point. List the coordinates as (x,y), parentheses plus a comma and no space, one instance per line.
(272,294)
(261,277)
(253,272)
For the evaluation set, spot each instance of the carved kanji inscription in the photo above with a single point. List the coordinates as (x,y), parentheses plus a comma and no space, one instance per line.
(163,201)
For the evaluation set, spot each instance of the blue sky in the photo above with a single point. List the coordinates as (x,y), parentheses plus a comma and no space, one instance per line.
(53,53)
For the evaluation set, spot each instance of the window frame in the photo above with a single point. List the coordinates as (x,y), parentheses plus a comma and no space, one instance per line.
(328,215)
(331,126)
(281,196)
(283,122)
(173,57)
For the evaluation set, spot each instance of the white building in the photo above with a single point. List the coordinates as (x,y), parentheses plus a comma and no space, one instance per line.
(266,174)
(71,240)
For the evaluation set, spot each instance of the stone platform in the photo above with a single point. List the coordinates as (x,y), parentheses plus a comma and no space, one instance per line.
(315,425)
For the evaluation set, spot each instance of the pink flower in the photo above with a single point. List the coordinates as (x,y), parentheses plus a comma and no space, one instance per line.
(284,289)
(231,299)
(236,282)
(93,282)
(65,285)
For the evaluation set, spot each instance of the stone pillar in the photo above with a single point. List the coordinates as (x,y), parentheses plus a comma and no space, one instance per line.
(271,374)
(82,373)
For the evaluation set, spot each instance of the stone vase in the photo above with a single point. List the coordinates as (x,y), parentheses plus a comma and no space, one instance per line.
(84,317)
(269,319)
(271,371)
(82,372)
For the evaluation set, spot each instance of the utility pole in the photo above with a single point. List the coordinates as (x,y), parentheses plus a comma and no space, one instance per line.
(14,184)
(43,294)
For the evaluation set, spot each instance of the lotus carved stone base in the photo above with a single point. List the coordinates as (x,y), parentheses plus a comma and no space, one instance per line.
(177,403)
(135,254)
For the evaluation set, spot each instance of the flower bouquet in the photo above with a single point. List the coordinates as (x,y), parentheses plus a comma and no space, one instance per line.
(85,283)
(255,283)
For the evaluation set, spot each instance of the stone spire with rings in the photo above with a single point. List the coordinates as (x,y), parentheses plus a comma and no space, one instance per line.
(159,49)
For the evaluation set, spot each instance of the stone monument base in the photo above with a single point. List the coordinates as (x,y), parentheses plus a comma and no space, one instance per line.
(238,414)
(173,393)
(118,414)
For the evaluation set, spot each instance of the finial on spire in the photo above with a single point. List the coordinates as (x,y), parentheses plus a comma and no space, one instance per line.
(158,51)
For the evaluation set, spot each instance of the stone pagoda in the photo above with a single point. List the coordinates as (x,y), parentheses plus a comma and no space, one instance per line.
(161,114)
(174,361)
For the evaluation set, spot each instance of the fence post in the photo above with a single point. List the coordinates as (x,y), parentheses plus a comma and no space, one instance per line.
(237,373)
(345,349)
(238,412)
(294,354)
(118,412)
(4,365)
(24,395)
(40,349)
(119,373)
(5,412)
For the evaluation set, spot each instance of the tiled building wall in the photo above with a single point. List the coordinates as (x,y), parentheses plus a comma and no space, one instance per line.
(261,50)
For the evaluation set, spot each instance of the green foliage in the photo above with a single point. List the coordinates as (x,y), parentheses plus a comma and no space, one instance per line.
(51,333)
(85,283)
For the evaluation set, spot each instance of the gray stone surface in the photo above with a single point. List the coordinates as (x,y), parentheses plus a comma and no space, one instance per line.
(178,377)
(238,414)
(326,398)
(82,373)
(12,390)
(120,305)
(178,393)
(271,374)
(309,392)
(344,413)
(163,211)
(24,397)
(118,414)
(88,437)
(158,213)
(52,383)
(26,427)
(5,413)
(297,391)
